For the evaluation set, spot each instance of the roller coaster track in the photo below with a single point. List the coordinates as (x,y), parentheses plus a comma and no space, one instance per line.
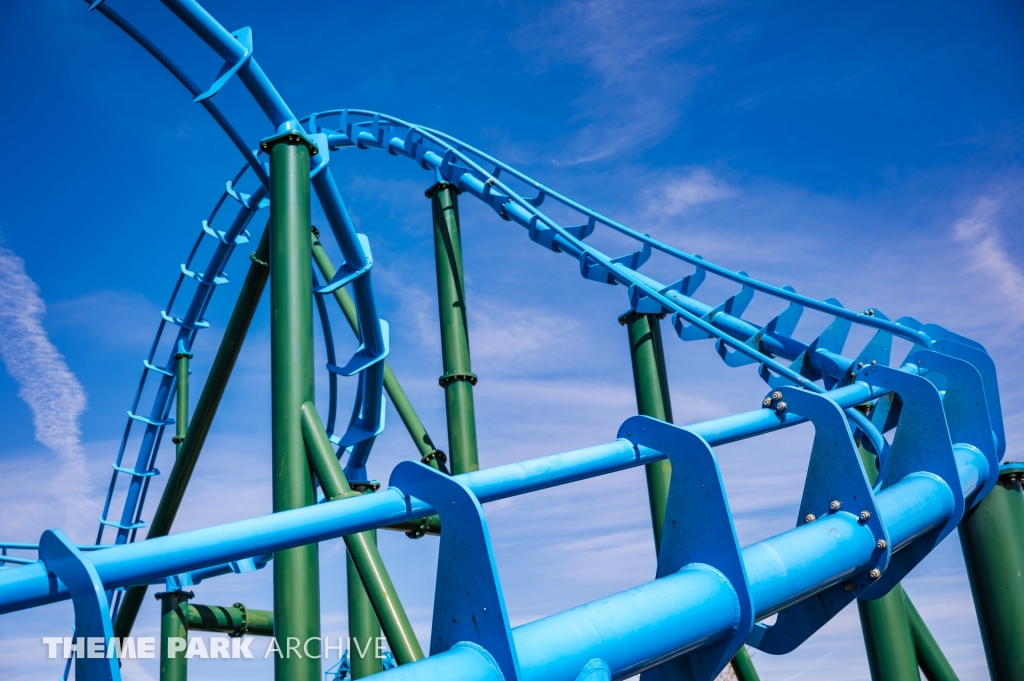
(812,381)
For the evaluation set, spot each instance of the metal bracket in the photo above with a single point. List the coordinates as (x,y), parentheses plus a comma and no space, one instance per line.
(345,274)
(468,602)
(735,305)
(963,401)
(595,670)
(92,614)
(244,37)
(364,358)
(698,532)
(836,483)
(921,445)
(591,269)
(980,360)
(782,325)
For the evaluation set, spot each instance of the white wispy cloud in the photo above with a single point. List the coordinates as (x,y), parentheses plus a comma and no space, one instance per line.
(46,384)
(987,256)
(629,47)
(683,192)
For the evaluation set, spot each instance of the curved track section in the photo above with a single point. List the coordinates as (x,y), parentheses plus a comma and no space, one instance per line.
(819,366)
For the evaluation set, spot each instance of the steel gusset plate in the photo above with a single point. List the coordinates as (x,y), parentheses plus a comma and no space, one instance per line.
(921,445)
(836,484)
(698,534)
(468,601)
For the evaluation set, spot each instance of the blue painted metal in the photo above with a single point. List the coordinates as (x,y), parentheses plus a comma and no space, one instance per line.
(698,532)
(468,601)
(921,447)
(702,605)
(92,615)
(836,483)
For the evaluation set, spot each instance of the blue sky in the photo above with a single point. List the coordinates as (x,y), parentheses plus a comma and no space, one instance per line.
(867,152)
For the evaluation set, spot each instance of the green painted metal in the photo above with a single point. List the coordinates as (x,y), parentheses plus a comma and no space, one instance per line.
(181,417)
(321,456)
(650,381)
(429,454)
(743,666)
(297,570)
(888,639)
(202,418)
(992,538)
(362,547)
(236,620)
(173,624)
(652,399)
(363,628)
(458,378)
(930,658)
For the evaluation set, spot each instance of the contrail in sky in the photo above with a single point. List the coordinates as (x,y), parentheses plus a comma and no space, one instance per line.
(47,386)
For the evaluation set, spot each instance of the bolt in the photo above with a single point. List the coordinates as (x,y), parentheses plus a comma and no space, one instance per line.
(780,406)
(848,586)
(860,364)
(767,402)
(880,544)
(875,573)
(865,516)
(809,518)
(869,312)
(834,506)
(874,361)
(776,395)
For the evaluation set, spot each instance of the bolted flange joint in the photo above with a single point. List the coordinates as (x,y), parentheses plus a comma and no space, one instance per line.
(293,137)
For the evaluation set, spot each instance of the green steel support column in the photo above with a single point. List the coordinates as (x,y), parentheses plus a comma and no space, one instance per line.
(743,666)
(932,661)
(202,418)
(887,637)
(181,420)
(458,378)
(650,381)
(173,624)
(362,547)
(429,454)
(992,537)
(237,620)
(363,628)
(652,399)
(297,570)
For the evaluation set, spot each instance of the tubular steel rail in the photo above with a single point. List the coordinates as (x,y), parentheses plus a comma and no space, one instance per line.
(870,511)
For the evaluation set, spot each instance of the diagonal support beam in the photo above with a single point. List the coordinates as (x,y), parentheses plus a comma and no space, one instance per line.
(202,418)
(362,547)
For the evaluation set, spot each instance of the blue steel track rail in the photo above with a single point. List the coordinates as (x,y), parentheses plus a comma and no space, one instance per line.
(916,504)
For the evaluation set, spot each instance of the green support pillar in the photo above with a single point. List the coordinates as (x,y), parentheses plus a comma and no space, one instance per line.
(181,418)
(930,658)
(202,419)
(992,538)
(883,622)
(652,399)
(429,454)
(363,627)
(362,547)
(173,625)
(458,378)
(237,620)
(650,381)
(887,638)
(296,570)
